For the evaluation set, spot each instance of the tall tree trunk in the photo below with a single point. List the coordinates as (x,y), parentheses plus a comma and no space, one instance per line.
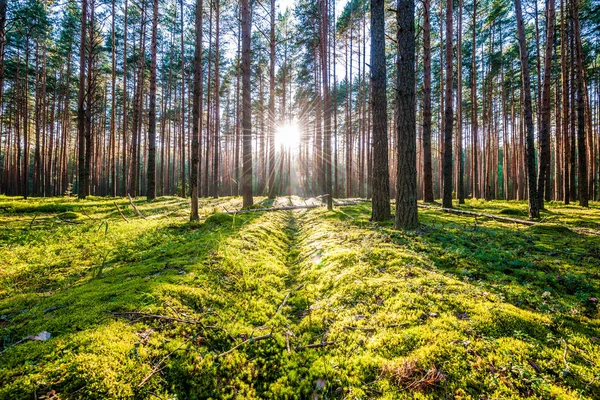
(448,113)
(124,166)
(81,177)
(246,19)
(113,111)
(381,177)
(534,211)
(327,188)
(564,65)
(151,170)
(544,134)
(217,132)
(427,165)
(459,123)
(406,171)
(474,144)
(581,136)
(196,112)
(271,118)
(183,159)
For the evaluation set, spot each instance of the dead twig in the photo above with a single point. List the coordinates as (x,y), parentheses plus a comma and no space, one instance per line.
(565,356)
(285,299)
(120,213)
(249,340)
(315,345)
(356,328)
(134,207)
(131,315)
(158,367)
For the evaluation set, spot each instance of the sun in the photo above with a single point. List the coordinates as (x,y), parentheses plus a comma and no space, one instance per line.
(287,135)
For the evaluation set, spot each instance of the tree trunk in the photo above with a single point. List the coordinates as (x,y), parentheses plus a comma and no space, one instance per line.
(460,193)
(196,112)
(381,179)
(581,137)
(474,144)
(544,134)
(81,177)
(327,181)
(427,165)
(271,117)
(406,171)
(124,166)
(246,20)
(534,211)
(113,111)
(215,183)
(151,170)
(448,113)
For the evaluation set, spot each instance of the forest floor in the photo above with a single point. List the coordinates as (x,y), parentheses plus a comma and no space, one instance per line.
(295,304)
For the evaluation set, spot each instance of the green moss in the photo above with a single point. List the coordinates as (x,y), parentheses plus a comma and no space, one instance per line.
(550,229)
(219,219)
(69,215)
(513,211)
(489,306)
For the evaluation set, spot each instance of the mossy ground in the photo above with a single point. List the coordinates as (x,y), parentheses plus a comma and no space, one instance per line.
(320,304)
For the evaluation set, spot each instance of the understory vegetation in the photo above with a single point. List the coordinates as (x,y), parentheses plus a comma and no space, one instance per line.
(295,304)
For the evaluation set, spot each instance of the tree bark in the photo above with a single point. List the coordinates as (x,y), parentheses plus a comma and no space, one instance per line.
(406,171)
(196,112)
(581,137)
(534,211)
(81,177)
(448,113)
(427,164)
(151,170)
(381,177)
(246,20)
(460,193)
(544,135)
(271,117)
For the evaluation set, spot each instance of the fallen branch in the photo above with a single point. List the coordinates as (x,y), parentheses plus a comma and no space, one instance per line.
(120,213)
(284,208)
(140,316)
(476,214)
(503,219)
(134,207)
(285,299)
(249,340)
(157,367)
(315,345)
(87,215)
(356,328)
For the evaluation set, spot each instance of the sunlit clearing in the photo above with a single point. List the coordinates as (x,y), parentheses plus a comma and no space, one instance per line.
(287,135)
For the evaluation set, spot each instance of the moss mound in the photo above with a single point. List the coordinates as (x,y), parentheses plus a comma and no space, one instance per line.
(512,211)
(70,215)
(550,229)
(219,219)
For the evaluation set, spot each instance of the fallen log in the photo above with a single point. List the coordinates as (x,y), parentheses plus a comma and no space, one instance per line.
(476,214)
(505,219)
(284,208)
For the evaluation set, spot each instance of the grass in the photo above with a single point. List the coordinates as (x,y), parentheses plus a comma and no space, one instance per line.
(295,304)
